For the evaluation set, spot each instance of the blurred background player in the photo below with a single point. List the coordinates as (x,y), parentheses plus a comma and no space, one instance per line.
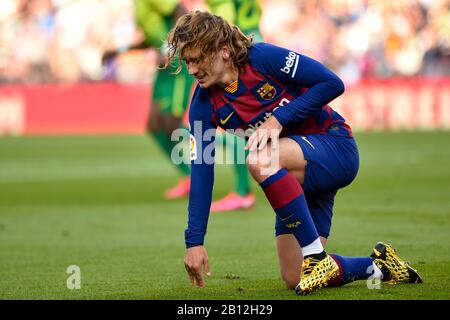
(170,93)
(247,15)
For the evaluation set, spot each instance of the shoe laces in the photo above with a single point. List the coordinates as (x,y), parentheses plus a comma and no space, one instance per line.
(309,265)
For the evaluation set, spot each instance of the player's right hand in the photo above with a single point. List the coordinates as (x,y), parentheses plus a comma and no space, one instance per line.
(196,261)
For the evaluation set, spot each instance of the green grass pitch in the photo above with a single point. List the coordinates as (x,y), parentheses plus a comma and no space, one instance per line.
(95,202)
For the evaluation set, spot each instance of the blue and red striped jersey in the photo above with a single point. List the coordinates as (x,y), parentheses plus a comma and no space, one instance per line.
(274,82)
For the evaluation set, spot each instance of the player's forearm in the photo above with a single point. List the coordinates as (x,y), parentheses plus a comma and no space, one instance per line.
(200,197)
(324,86)
(197,221)
(307,104)
(195,237)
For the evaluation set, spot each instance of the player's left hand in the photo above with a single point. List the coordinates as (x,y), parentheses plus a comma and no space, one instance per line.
(270,129)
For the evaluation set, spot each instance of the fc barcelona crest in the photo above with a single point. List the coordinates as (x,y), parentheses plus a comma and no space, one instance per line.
(267,92)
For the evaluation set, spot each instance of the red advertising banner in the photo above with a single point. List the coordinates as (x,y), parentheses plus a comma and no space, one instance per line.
(109,108)
(396,104)
(101,108)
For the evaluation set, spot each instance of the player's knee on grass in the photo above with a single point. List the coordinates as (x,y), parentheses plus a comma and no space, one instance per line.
(289,258)
(290,279)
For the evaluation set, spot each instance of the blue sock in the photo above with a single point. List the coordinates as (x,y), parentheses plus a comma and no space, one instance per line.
(351,269)
(286,196)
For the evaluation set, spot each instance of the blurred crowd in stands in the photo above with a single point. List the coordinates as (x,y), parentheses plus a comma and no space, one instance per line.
(62,41)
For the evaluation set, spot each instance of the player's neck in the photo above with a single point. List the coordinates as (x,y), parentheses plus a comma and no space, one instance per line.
(229,76)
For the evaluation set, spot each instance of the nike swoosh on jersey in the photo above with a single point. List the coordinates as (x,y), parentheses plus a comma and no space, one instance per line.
(226,119)
(307,141)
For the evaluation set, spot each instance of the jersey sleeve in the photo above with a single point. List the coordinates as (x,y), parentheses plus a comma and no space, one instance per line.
(202,140)
(295,69)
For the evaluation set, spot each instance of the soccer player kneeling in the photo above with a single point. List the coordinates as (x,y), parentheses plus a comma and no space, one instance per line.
(301,151)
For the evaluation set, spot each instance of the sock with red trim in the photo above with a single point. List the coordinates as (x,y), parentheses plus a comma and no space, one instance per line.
(286,196)
(351,269)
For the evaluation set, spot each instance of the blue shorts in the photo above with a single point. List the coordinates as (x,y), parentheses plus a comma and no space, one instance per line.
(333,163)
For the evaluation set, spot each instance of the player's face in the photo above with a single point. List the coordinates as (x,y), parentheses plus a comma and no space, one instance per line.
(208,72)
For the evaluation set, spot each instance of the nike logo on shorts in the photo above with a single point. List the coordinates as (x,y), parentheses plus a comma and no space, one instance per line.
(308,142)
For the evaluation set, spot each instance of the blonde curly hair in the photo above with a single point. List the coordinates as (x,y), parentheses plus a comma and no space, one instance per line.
(209,33)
